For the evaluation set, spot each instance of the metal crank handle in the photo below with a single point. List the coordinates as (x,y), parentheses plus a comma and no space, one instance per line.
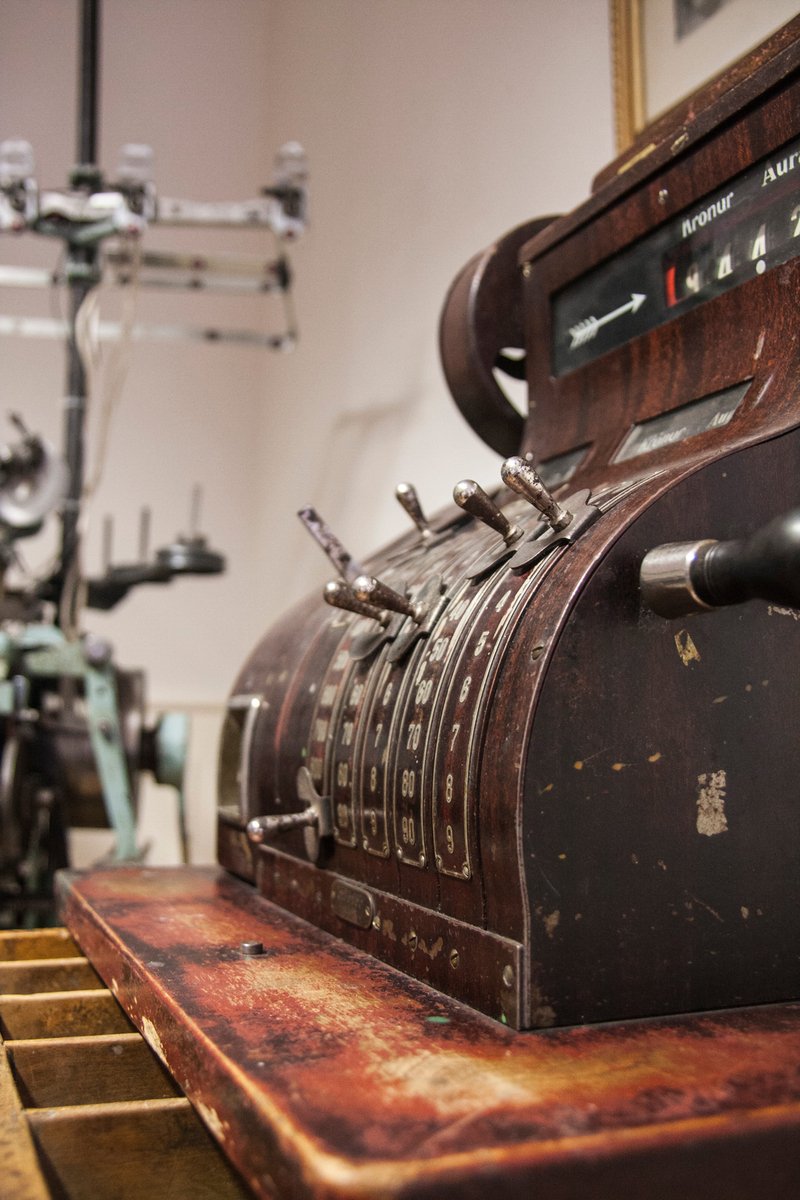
(684,577)
(262,829)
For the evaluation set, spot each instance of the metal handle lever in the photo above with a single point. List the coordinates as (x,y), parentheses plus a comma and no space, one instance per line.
(406,493)
(522,478)
(261,829)
(315,819)
(684,577)
(380,595)
(470,496)
(340,595)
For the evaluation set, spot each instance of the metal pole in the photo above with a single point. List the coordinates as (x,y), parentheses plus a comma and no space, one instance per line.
(81,274)
(89,82)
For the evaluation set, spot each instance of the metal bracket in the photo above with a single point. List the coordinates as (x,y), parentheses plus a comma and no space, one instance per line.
(102,717)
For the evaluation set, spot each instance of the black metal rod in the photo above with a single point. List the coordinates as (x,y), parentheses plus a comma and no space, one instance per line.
(89,84)
(74,422)
(81,273)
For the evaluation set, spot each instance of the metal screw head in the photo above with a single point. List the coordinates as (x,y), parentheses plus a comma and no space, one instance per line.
(537,652)
(97,651)
(455,958)
(663,196)
(412,940)
(508,976)
(252,949)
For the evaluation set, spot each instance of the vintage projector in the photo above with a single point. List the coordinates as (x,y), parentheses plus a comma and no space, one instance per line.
(540,752)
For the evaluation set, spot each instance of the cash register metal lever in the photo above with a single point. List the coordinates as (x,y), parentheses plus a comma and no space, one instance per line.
(470,496)
(379,595)
(316,819)
(685,577)
(341,595)
(406,494)
(558,524)
(520,476)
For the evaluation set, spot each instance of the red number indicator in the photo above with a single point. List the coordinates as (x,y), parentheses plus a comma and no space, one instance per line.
(669,287)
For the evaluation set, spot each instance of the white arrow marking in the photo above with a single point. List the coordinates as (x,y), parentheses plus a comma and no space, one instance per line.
(586,329)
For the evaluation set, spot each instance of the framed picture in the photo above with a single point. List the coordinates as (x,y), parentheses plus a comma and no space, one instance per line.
(665,49)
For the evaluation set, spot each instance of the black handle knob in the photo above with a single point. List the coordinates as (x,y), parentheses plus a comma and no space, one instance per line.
(764,566)
(684,577)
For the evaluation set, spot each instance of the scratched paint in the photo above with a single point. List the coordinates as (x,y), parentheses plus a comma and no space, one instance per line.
(151,1036)
(711,818)
(212,1120)
(551,923)
(777,610)
(687,651)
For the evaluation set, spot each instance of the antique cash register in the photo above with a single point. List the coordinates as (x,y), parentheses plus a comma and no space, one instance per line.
(534,761)
(537,754)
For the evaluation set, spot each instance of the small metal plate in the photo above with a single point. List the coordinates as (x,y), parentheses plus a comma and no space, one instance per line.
(353,904)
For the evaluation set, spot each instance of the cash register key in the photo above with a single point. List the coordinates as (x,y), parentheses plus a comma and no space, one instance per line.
(316,819)
(522,478)
(261,829)
(328,542)
(406,493)
(379,595)
(339,595)
(470,496)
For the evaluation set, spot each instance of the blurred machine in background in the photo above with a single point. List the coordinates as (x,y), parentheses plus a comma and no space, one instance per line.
(74,735)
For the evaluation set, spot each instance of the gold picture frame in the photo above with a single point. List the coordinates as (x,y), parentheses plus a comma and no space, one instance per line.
(626,70)
(655,63)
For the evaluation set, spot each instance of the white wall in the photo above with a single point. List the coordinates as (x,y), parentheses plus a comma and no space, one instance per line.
(432,126)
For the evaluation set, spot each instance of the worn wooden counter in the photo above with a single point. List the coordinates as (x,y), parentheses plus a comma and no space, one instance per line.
(326,1074)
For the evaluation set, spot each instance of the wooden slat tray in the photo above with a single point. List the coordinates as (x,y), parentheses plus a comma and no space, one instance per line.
(325,1073)
(86,1108)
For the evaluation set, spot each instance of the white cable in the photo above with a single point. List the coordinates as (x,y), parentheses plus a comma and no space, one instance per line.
(116,369)
(87,342)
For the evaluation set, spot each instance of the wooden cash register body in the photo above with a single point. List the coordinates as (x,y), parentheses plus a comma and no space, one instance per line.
(523,799)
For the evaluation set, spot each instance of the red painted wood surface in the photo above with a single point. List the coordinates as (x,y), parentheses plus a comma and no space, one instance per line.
(325,1073)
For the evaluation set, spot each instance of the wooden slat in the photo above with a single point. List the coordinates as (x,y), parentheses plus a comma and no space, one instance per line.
(48,975)
(17,944)
(20,1177)
(61,1014)
(88,1070)
(136,1150)
(86,1108)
